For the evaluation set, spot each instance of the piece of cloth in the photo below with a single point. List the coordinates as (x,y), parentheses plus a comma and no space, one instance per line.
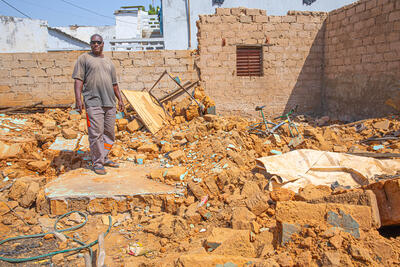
(98,75)
(101,123)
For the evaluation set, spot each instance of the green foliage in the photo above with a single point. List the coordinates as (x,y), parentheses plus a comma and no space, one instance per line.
(153,10)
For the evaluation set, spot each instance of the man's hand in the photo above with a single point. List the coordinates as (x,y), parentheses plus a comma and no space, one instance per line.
(78,84)
(121,105)
(79,106)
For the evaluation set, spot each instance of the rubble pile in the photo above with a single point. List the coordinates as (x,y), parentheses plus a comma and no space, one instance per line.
(226,215)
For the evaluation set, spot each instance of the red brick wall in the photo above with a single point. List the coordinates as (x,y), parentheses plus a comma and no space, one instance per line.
(362,59)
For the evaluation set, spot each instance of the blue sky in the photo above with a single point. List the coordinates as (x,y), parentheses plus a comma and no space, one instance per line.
(60,13)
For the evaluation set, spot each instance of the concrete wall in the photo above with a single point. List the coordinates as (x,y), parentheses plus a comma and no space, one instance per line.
(58,41)
(175,18)
(127,25)
(22,35)
(27,78)
(84,32)
(292,60)
(362,59)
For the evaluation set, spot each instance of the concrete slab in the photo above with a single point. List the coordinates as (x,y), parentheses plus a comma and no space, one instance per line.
(128,180)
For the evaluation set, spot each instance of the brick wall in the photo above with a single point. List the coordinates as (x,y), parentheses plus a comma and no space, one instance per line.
(27,78)
(293,52)
(362,59)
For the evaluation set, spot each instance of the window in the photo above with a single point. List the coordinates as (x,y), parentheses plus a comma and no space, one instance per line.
(249,61)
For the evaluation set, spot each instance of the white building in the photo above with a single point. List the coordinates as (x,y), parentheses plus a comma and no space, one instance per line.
(134,30)
(179,16)
(20,35)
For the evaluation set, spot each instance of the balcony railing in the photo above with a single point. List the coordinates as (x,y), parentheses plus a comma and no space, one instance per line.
(137,44)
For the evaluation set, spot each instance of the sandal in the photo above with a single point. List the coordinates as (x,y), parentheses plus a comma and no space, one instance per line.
(112,164)
(100,170)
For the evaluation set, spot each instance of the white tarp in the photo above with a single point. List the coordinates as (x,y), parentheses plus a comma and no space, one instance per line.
(301,167)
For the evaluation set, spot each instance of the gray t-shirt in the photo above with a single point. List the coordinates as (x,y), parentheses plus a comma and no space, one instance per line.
(98,75)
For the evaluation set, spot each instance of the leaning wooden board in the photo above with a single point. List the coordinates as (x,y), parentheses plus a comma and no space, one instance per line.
(147,108)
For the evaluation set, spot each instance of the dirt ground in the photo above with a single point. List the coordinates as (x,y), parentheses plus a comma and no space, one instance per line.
(227,216)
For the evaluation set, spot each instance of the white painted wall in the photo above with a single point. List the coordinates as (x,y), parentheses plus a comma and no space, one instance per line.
(176,24)
(22,35)
(126,25)
(84,32)
(57,42)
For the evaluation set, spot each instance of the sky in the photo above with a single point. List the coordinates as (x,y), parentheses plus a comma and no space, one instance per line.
(70,12)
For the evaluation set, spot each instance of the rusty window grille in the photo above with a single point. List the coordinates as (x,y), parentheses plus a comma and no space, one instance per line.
(249,61)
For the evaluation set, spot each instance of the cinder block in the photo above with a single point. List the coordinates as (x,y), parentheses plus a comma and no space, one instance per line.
(360,7)
(394,16)
(223,11)
(289,19)
(252,11)
(19,72)
(245,19)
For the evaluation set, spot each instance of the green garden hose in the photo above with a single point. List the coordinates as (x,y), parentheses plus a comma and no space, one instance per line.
(83,245)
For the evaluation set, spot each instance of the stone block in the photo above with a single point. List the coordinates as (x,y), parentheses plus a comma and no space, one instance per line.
(358,197)
(58,207)
(206,260)
(245,19)
(148,148)
(286,231)
(178,155)
(196,189)
(175,173)
(296,212)
(121,124)
(191,214)
(260,19)
(212,186)
(38,165)
(258,203)
(69,133)
(241,218)
(220,235)
(387,194)
(238,245)
(223,11)
(10,151)
(30,195)
(282,194)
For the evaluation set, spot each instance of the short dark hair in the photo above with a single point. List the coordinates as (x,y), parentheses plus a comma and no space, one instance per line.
(98,35)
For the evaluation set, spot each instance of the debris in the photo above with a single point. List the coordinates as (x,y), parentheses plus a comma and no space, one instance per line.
(69,134)
(63,144)
(10,151)
(134,125)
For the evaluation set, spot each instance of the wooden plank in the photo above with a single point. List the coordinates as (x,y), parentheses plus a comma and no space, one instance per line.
(150,112)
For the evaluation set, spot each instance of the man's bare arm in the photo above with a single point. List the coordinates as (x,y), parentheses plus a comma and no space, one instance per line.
(78,85)
(117,93)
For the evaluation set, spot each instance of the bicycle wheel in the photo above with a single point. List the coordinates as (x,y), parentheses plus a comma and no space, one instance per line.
(260,129)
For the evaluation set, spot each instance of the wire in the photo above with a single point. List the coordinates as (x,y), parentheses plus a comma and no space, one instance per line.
(83,245)
(36,5)
(93,12)
(16,9)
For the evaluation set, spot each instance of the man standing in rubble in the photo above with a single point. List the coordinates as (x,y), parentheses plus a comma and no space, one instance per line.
(96,75)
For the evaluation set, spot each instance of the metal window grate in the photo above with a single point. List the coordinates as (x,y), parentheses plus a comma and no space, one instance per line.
(249,61)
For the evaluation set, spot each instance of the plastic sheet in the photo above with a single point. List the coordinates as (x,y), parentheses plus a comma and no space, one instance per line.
(298,168)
